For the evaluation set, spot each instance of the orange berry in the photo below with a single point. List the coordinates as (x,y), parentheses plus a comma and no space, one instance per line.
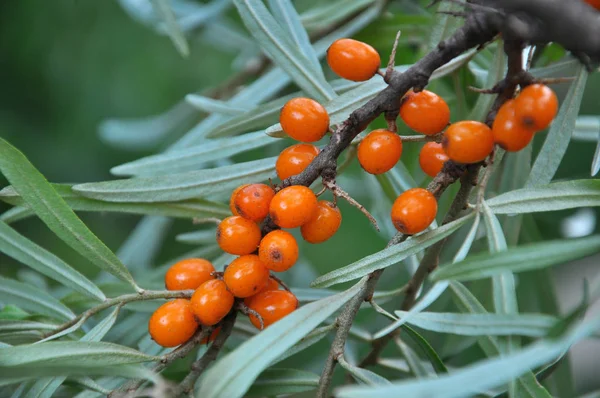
(508,132)
(324,224)
(272,305)
(425,112)
(353,59)
(232,199)
(379,151)
(536,106)
(212,336)
(468,141)
(295,159)
(414,210)
(211,302)
(293,206)
(432,158)
(173,323)
(236,235)
(272,284)
(278,250)
(246,275)
(594,3)
(304,119)
(188,274)
(252,201)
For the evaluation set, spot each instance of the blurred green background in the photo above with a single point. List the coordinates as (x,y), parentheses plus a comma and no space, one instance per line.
(68,65)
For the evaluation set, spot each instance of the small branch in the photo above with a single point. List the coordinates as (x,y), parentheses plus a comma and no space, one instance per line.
(422,138)
(339,192)
(281,283)
(244,309)
(198,367)
(390,66)
(121,300)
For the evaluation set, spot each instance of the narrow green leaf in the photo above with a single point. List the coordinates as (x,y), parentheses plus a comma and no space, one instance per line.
(210,105)
(163,9)
(390,256)
(32,299)
(191,208)
(417,367)
(482,375)
(25,251)
(468,242)
(180,186)
(517,259)
(98,332)
(193,158)
(534,325)
(280,48)
(233,375)
(551,197)
(587,129)
(15,214)
(331,13)
(55,213)
(197,237)
(7,325)
(312,338)
(427,349)
(558,137)
(12,312)
(287,16)
(282,381)
(363,376)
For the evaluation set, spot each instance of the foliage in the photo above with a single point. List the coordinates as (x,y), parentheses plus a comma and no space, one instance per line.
(74,321)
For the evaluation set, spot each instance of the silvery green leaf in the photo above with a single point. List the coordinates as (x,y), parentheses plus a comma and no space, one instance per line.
(15,214)
(534,325)
(287,16)
(468,242)
(312,338)
(28,253)
(31,299)
(551,197)
(363,376)
(416,366)
(163,9)
(281,49)
(210,105)
(146,133)
(389,256)
(56,214)
(7,325)
(179,186)
(193,208)
(557,140)
(397,364)
(482,375)
(332,12)
(193,158)
(282,381)
(518,259)
(560,68)
(197,237)
(234,374)
(587,129)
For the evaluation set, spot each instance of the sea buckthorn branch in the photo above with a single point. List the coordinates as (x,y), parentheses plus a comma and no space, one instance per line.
(468,181)
(187,385)
(122,300)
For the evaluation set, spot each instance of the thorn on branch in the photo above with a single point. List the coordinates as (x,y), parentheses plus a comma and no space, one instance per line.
(339,192)
(390,66)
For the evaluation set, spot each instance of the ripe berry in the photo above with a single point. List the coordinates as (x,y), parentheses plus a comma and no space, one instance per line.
(211,302)
(295,159)
(212,336)
(188,274)
(432,158)
(246,275)
(425,112)
(172,323)
(379,151)
(353,60)
(252,201)
(278,250)
(536,106)
(272,305)
(413,211)
(236,235)
(293,206)
(272,284)
(232,199)
(508,132)
(304,119)
(468,141)
(324,224)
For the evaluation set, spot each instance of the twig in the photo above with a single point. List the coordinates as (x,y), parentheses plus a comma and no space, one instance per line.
(422,138)
(392,60)
(187,385)
(280,282)
(121,300)
(339,192)
(244,309)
